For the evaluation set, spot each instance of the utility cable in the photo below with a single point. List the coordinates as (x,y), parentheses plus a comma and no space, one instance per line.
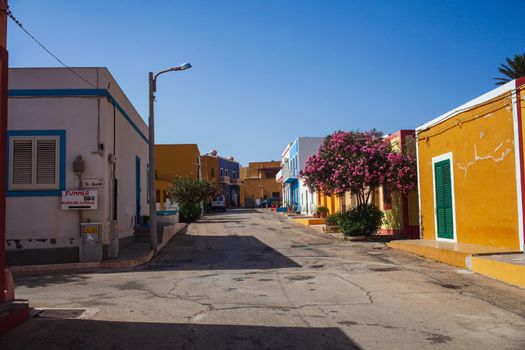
(10,15)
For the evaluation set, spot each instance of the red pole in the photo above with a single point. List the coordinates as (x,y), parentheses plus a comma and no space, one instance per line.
(3,137)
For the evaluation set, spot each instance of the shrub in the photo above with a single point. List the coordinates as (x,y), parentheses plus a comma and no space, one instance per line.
(333,219)
(321,210)
(189,193)
(363,220)
(190,212)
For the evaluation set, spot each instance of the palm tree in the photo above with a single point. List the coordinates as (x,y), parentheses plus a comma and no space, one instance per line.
(514,69)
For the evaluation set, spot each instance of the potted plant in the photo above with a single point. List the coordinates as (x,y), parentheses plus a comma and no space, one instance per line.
(322,211)
(332,223)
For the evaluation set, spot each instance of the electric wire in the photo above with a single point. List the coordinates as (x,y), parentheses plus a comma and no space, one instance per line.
(14,19)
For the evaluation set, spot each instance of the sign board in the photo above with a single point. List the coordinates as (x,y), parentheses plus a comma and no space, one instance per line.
(91,232)
(90,183)
(79,200)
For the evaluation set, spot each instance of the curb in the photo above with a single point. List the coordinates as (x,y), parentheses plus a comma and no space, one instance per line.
(98,265)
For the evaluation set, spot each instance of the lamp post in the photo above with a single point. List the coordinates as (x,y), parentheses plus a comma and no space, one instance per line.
(151,139)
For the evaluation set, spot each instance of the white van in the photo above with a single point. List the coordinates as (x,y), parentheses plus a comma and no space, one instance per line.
(218,203)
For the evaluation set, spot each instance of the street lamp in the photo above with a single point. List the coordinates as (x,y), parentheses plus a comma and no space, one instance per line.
(151,170)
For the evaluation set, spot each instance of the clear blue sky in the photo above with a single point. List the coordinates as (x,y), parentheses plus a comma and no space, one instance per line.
(266,72)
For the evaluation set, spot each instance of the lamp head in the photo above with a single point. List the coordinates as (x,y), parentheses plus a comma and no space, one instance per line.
(182,67)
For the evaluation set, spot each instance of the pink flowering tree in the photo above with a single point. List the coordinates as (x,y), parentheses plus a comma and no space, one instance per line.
(359,162)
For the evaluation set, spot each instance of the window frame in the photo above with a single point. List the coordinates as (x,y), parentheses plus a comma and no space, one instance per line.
(35,190)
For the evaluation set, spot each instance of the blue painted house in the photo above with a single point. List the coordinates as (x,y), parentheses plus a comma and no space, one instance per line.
(229,181)
(295,194)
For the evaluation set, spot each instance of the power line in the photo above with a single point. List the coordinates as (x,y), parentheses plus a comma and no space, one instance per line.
(10,14)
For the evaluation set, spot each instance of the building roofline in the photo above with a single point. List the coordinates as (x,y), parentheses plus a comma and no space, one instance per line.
(511,85)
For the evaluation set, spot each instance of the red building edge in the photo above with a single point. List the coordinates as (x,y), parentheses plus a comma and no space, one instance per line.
(520,82)
(408,231)
(12,311)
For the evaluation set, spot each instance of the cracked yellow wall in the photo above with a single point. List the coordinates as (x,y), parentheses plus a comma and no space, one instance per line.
(481,140)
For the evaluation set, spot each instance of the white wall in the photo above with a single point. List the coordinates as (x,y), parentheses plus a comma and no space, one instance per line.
(41,218)
(305,192)
(307,147)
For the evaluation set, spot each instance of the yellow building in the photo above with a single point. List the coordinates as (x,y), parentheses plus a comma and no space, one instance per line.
(401,211)
(259,182)
(172,161)
(333,202)
(470,170)
(210,167)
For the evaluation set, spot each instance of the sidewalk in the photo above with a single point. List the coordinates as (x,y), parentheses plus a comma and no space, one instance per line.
(502,264)
(136,254)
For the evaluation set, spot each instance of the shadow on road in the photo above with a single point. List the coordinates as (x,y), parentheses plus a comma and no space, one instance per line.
(94,334)
(188,252)
(50,280)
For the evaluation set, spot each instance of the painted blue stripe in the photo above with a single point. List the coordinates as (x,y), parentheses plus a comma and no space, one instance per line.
(62,163)
(127,117)
(77,93)
(56,92)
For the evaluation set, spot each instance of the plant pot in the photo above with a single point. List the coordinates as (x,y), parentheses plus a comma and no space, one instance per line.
(355,238)
(324,214)
(332,228)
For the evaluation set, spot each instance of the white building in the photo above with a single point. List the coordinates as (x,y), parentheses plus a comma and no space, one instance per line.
(293,159)
(55,117)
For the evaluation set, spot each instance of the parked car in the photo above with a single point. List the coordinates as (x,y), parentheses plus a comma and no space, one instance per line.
(269,203)
(218,203)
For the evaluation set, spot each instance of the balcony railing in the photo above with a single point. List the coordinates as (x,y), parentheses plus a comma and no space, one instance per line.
(224,179)
(279,176)
(289,175)
(237,182)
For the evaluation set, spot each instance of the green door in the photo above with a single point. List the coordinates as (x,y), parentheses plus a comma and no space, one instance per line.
(443,190)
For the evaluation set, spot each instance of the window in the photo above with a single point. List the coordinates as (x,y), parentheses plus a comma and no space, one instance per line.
(226,172)
(222,172)
(35,160)
(212,172)
(233,174)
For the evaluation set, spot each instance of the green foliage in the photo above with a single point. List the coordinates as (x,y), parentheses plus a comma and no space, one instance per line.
(513,69)
(363,220)
(321,210)
(333,219)
(190,212)
(189,192)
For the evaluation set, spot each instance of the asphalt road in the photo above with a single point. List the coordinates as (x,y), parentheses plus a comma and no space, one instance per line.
(250,279)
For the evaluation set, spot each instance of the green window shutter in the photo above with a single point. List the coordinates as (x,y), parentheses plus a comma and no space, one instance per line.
(443,193)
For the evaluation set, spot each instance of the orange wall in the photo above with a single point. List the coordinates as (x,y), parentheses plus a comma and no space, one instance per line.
(208,163)
(332,202)
(481,141)
(176,160)
(256,183)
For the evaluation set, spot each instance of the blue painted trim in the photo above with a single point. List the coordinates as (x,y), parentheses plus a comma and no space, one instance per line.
(137,191)
(77,93)
(127,117)
(56,92)
(290,180)
(62,163)
(166,212)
